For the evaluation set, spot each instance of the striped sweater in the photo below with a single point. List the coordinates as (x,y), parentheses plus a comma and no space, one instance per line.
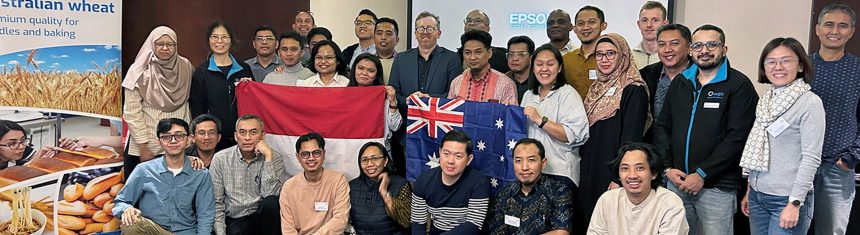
(457,209)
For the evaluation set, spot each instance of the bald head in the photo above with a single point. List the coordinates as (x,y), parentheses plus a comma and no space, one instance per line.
(476,20)
(558,26)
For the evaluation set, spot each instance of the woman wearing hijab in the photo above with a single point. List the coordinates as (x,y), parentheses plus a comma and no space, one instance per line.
(156,87)
(367,71)
(783,151)
(380,201)
(213,87)
(617,108)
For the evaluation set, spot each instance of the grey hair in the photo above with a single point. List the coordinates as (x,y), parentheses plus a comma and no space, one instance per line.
(838,7)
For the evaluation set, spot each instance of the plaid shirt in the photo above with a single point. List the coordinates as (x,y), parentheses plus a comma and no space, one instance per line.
(239,186)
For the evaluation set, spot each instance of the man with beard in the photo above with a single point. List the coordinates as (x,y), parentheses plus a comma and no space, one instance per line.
(535,203)
(386,39)
(303,24)
(205,134)
(365,24)
(265,44)
(480,82)
(580,65)
(478,20)
(702,161)
(558,27)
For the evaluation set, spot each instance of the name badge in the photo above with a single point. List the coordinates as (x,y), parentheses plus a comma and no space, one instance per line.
(610,92)
(777,127)
(320,206)
(512,221)
(712,105)
(592,74)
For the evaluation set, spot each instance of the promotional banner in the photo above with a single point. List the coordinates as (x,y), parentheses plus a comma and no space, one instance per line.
(61,56)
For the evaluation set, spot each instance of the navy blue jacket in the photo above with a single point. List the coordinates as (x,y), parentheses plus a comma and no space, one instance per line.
(444,67)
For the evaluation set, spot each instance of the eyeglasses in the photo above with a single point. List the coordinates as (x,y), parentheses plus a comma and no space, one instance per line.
(216,38)
(518,54)
(168,45)
(264,38)
(425,29)
(325,58)
(373,158)
(609,55)
(173,137)
(307,154)
(206,133)
(772,62)
(252,132)
(474,21)
(289,49)
(363,22)
(712,45)
(24,142)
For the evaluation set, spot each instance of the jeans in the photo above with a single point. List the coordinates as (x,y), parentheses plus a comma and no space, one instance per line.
(765,210)
(711,211)
(834,191)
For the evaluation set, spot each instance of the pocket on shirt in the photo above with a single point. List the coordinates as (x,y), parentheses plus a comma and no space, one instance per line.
(185,198)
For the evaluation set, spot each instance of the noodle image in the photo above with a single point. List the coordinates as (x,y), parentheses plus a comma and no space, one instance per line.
(22,221)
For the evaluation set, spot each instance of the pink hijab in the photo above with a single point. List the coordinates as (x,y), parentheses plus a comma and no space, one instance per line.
(162,83)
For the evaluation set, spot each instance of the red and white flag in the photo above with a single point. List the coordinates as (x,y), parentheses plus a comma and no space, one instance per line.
(347,117)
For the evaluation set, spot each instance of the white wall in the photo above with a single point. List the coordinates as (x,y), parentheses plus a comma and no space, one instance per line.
(338,15)
(749,25)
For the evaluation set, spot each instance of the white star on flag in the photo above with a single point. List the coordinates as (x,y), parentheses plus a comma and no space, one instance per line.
(494,182)
(434,161)
(481,145)
(501,158)
(500,123)
(511,144)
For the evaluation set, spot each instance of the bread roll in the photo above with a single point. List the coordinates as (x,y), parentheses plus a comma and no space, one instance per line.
(71,222)
(102,217)
(71,208)
(93,228)
(78,160)
(111,225)
(21,173)
(100,184)
(72,192)
(114,190)
(108,207)
(91,210)
(50,165)
(100,200)
(65,231)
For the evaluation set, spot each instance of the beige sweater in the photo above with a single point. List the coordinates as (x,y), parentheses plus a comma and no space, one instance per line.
(315,208)
(662,212)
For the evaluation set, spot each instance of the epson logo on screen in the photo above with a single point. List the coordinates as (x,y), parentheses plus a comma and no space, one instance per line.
(527,20)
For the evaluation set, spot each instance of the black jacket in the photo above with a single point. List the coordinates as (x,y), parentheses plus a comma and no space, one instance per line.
(499,60)
(367,214)
(711,142)
(214,92)
(651,74)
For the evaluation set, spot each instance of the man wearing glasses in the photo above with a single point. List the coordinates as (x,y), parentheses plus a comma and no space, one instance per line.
(365,29)
(245,179)
(265,45)
(478,20)
(520,49)
(702,160)
(205,134)
(172,197)
(317,200)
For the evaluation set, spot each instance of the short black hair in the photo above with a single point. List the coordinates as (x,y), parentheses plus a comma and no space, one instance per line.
(380,74)
(459,137)
(319,30)
(655,162)
(381,147)
(295,36)
(308,137)
(560,81)
(591,8)
(233,40)
(6,126)
(522,39)
(205,118)
(802,59)
(714,28)
(683,30)
(390,21)
(367,12)
(341,61)
(164,125)
(524,141)
(265,28)
(477,35)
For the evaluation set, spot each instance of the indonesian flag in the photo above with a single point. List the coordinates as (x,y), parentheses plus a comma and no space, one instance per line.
(347,117)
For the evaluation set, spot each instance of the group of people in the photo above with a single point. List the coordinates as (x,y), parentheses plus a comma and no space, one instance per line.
(608,121)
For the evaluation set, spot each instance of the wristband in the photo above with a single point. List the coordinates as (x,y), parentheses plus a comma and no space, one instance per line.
(543,122)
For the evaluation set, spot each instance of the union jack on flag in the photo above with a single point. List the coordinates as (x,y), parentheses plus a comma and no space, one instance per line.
(434,115)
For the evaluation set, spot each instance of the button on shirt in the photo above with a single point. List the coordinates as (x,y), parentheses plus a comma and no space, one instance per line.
(548,207)
(168,200)
(660,94)
(239,186)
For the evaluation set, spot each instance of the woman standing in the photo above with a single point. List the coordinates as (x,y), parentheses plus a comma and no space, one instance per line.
(556,113)
(213,89)
(783,150)
(329,66)
(367,71)
(381,202)
(156,87)
(617,108)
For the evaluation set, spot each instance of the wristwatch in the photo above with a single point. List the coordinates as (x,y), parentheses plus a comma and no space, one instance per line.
(543,122)
(795,202)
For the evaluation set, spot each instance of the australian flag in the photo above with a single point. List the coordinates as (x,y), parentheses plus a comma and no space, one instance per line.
(493,127)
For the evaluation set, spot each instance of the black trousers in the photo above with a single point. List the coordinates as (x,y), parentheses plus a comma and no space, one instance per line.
(266,221)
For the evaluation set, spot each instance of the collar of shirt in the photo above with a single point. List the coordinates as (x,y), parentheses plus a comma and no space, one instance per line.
(238,155)
(370,50)
(293,68)
(484,78)
(162,168)
(234,67)
(569,46)
(275,61)
(640,48)
(535,188)
(337,79)
(579,52)
(393,54)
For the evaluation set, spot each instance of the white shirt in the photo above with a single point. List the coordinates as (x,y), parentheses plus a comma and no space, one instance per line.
(315,81)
